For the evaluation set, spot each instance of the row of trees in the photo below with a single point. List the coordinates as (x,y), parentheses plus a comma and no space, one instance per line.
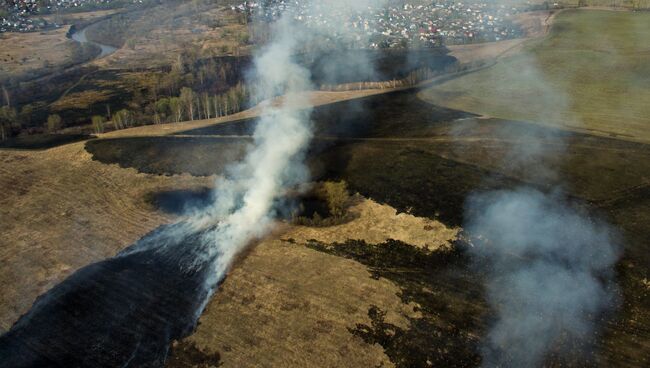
(190,105)
(13,120)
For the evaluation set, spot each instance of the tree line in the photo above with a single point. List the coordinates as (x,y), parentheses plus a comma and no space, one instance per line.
(188,106)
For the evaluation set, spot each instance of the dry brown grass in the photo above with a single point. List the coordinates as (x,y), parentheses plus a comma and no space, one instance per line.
(61,211)
(22,52)
(375,223)
(282,305)
(80,100)
(289,306)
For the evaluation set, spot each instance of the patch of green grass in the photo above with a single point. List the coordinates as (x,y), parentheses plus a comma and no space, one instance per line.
(592,72)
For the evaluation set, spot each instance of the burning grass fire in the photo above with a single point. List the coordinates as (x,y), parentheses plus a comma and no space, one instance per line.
(191,257)
(525,278)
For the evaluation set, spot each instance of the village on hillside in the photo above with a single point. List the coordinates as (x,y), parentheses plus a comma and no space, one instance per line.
(396,25)
(26,15)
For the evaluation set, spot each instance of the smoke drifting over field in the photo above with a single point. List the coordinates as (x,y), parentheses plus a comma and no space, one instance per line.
(244,199)
(549,264)
(549,273)
(247,198)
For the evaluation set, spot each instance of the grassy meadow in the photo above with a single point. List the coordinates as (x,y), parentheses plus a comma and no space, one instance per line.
(592,72)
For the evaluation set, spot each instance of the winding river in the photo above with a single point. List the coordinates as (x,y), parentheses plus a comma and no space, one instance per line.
(80,36)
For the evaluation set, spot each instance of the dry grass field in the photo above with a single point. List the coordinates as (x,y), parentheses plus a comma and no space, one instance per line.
(158,35)
(589,74)
(62,210)
(25,52)
(423,161)
(22,52)
(316,296)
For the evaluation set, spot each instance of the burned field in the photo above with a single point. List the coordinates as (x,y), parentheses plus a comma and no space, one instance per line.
(43,141)
(116,312)
(426,160)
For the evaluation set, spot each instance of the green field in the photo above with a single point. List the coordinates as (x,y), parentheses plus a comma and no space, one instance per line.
(592,72)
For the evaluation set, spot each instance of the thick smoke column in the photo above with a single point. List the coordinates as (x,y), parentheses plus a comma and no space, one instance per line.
(550,265)
(244,199)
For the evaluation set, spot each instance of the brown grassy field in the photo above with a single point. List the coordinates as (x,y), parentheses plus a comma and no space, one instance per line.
(291,301)
(560,79)
(159,35)
(62,210)
(22,52)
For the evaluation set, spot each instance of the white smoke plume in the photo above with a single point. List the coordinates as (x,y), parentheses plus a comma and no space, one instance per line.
(550,265)
(549,273)
(245,199)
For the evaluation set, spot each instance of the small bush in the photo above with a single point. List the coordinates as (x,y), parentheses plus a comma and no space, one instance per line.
(337,197)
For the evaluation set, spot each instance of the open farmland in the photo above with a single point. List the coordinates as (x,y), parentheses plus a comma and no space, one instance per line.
(598,61)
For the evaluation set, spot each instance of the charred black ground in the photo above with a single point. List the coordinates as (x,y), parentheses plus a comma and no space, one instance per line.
(448,293)
(43,141)
(124,311)
(426,160)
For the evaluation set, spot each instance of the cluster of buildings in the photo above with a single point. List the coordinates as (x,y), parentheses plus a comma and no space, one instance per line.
(22,15)
(401,23)
(15,15)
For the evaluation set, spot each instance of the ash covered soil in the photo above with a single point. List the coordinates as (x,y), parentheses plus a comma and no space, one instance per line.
(312,297)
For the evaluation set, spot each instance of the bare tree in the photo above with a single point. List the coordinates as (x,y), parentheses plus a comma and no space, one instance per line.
(176,108)
(7,120)
(187,99)
(54,123)
(207,105)
(98,123)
